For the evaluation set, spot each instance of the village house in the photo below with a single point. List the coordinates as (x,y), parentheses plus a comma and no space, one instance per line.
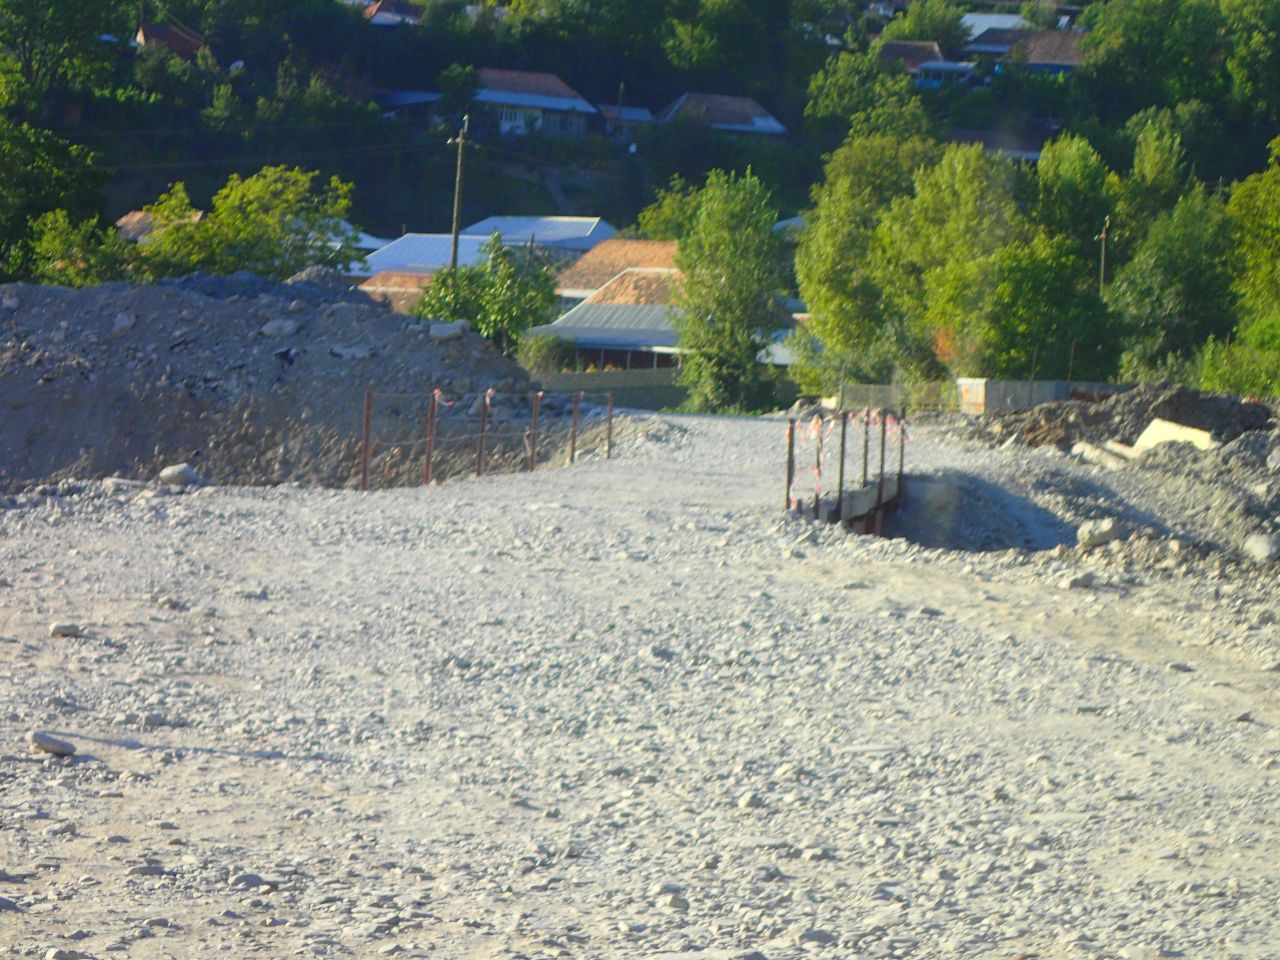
(717,112)
(522,102)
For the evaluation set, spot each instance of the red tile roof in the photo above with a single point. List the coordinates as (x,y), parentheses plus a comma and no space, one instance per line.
(406,10)
(638,287)
(606,260)
(1051,47)
(909,53)
(179,40)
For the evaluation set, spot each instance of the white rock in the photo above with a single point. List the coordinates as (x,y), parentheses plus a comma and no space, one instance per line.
(820,937)
(280,327)
(65,630)
(1262,547)
(123,323)
(10,302)
(1096,533)
(297,306)
(42,742)
(750,801)
(442,332)
(180,475)
(59,953)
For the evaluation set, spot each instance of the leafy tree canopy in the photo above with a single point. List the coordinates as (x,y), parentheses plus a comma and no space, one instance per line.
(730,262)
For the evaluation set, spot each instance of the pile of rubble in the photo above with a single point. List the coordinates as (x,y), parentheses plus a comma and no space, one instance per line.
(247,380)
(1123,417)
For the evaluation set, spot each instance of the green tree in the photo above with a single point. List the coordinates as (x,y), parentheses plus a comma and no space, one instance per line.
(962,210)
(1142,53)
(861,179)
(1251,363)
(274,223)
(54,43)
(1159,176)
(1040,14)
(78,254)
(506,294)
(672,213)
(1028,309)
(39,173)
(938,20)
(854,93)
(1176,290)
(1075,193)
(1254,60)
(458,86)
(724,306)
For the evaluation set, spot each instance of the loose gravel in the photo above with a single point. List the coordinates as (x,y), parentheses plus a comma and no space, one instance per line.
(628,709)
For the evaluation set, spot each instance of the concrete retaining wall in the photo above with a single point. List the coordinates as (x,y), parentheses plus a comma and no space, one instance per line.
(980,395)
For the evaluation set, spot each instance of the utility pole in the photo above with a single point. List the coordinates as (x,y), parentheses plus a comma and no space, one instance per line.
(461,141)
(1102,260)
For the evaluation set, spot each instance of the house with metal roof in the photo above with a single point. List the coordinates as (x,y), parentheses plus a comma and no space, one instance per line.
(523,102)
(625,324)
(620,122)
(717,112)
(628,324)
(392,13)
(563,235)
(421,253)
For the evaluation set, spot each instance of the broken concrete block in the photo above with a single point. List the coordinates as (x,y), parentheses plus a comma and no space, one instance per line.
(1166,431)
(1097,533)
(1122,449)
(1262,547)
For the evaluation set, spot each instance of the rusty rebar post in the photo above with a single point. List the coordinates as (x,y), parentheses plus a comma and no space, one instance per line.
(844,431)
(365,431)
(791,459)
(817,469)
(484,424)
(536,403)
(866,441)
(902,448)
(573,430)
(884,426)
(432,407)
(608,434)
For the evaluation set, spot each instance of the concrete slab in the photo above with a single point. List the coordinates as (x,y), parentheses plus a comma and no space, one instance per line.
(1166,431)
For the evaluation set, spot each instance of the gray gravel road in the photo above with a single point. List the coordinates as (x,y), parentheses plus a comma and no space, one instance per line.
(625,709)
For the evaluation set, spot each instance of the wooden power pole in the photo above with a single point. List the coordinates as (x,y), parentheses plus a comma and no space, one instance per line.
(461,141)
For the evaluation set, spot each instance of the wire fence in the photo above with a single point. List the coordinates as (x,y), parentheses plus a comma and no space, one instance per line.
(408,439)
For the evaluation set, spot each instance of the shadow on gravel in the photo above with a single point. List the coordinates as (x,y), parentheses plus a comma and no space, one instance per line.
(954,510)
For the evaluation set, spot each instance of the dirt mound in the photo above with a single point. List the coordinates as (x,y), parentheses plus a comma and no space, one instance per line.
(250,381)
(1123,416)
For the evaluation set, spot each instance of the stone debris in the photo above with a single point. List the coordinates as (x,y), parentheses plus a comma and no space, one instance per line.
(41,742)
(1262,547)
(65,629)
(180,475)
(1097,533)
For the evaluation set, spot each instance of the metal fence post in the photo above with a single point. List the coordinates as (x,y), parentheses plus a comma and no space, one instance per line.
(366,430)
(608,441)
(791,458)
(432,406)
(573,431)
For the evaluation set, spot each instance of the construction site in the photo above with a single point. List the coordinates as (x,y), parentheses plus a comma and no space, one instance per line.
(295,664)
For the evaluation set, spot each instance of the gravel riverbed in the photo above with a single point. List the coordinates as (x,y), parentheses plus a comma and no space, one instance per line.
(627,709)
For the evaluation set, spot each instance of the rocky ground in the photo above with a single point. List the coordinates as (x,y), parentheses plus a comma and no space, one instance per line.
(628,709)
(249,381)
